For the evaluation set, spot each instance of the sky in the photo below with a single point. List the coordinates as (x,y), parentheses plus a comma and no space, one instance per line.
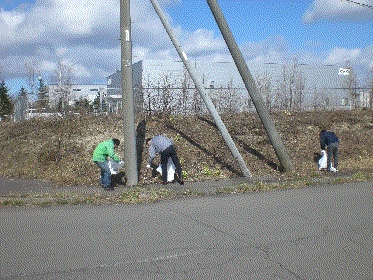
(84,35)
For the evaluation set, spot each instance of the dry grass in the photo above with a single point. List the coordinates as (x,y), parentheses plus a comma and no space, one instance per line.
(60,150)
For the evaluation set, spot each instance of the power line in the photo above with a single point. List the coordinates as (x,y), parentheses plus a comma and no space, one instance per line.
(361,4)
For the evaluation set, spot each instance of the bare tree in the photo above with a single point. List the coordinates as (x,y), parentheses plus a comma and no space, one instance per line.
(317,99)
(229,99)
(293,86)
(186,85)
(370,86)
(264,87)
(284,101)
(161,98)
(63,76)
(277,96)
(299,90)
(32,71)
(148,92)
(166,99)
(197,103)
(352,85)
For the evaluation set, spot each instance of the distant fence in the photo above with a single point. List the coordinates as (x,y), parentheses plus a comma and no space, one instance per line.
(187,101)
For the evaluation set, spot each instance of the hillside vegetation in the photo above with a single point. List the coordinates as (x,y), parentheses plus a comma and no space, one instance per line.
(60,150)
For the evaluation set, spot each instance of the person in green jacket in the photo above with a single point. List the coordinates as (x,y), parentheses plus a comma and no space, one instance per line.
(100,157)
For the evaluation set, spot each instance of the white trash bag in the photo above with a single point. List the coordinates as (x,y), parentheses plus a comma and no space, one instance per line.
(170,170)
(115,166)
(323,161)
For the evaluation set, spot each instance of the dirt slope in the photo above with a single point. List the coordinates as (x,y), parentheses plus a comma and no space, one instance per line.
(60,150)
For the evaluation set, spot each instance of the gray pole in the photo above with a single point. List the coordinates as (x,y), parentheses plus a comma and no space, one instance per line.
(130,155)
(206,98)
(251,87)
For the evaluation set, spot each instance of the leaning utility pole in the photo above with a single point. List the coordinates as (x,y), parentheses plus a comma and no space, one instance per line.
(130,155)
(206,98)
(249,82)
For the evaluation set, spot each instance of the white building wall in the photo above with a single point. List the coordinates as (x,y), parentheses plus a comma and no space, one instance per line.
(323,87)
(76,92)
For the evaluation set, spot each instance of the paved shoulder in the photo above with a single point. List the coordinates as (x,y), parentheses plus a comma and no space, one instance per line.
(18,185)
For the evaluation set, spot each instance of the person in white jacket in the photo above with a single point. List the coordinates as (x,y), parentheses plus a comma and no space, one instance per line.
(164,146)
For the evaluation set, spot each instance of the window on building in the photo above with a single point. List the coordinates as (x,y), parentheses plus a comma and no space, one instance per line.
(94,89)
(77,89)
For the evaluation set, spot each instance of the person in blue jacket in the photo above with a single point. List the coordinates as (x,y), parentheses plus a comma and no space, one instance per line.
(100,156)
(330,139)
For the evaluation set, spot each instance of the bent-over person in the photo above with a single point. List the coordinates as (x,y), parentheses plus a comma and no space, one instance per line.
(103,151)
(330,140)
(164,146)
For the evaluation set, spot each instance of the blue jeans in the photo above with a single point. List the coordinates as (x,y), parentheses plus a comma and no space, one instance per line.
(105,178)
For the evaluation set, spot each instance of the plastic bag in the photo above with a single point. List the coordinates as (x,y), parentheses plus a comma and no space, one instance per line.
(170,170)
(115,166)
(323,161)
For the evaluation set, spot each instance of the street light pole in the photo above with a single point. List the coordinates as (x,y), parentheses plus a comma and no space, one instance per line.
(130,155)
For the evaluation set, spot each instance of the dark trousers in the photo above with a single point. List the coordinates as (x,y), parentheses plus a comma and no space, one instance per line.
(165,155)
(333,152)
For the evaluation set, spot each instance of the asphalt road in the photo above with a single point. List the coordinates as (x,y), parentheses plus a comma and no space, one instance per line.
(308,233)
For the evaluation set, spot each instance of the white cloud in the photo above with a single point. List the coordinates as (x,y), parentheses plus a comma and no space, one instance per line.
(203,40)
(272,49)
(85,35)
(48,66)
(85,32)
(339,55)
(11,20)
(140,53)
(338,10)
(61,51)
(80,71)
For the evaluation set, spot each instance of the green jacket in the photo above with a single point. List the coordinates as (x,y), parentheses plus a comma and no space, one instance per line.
(103,150)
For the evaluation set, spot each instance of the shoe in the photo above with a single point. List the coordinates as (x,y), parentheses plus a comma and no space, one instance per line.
(332,169)
(181,182)
(108,189)
(164,183)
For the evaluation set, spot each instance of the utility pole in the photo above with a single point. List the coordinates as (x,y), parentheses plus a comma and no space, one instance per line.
(206,98)
(249,82)
(130,155)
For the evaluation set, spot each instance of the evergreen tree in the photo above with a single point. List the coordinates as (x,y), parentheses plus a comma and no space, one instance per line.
(42,101)
(22,92)
(96,102)
(6,106)
(24,105)
(83,106)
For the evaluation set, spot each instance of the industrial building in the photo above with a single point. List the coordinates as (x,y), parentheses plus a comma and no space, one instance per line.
(292,87)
